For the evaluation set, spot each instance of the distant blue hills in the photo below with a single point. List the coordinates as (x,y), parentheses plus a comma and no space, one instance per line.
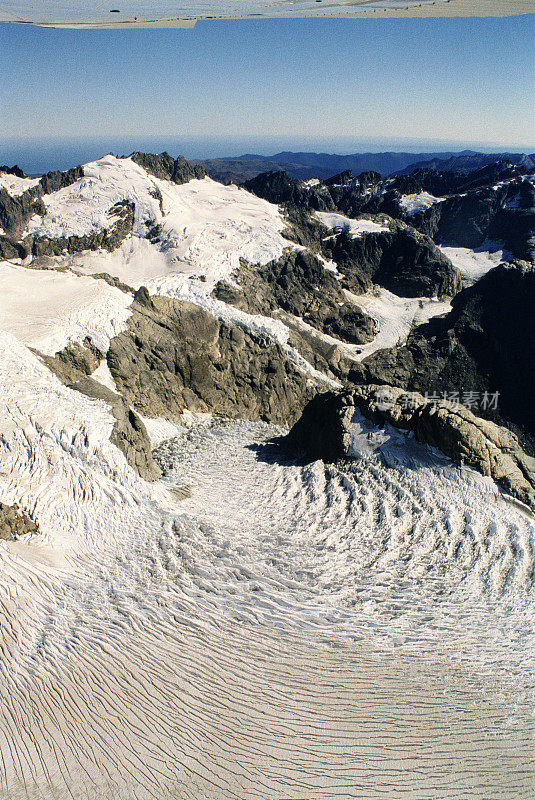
(324,165)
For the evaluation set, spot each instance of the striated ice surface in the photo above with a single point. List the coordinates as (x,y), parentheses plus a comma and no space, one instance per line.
(290,630)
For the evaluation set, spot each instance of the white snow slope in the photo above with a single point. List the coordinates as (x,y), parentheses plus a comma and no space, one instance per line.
(473,264)
(289,632)
(394,317)
(205,229)
(47,309)
(205,226)
(413,203)
(356,227)
(16,186)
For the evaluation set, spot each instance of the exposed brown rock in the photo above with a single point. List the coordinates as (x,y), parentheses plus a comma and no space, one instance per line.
(15,523)
(323,431)
(298,284)
(175,355)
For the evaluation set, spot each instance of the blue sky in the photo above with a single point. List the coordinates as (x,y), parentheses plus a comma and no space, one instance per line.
(450,80)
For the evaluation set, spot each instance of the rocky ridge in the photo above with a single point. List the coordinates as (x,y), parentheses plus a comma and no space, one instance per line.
(15,211)
(401,260)
(165,167)
(176,356)
(324,431)
(299,284)
(495,202)
(485,344)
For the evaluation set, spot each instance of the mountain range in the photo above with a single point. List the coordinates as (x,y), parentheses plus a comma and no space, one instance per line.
(323,165)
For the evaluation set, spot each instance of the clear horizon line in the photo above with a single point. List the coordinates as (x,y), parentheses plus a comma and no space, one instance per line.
(395,146)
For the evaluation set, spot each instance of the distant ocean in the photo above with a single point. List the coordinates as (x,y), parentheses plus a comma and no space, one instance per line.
(38,155)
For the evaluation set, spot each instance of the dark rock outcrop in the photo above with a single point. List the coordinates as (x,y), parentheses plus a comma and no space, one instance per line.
(461,220)
(165,167)
(402,260)
(344,178)
(54,181)
(175,355)
(73,366)
(16,211)
(441,183)
(299,284)
(15,170)
(10,249)
(323,431)
(303,228)
(504,213)
(485,344)
(279,188)
(15,523)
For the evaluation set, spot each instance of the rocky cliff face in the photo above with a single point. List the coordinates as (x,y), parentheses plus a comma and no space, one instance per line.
(324,431)
(279,188)
(402,260)
(495,202)
(164,166)
(73,366)
(175,355)
(486,344)
(503,213)
(16,211)
(299,284)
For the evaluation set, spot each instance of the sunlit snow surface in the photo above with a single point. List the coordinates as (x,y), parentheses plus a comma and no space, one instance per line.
(394,317)
(356,227)
(473,264)
(46,309)
(414,203)
(16,186)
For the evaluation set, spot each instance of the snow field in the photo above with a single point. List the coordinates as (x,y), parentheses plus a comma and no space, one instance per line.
(473,264)
(356,227)
(289,629)
(413,203)
(16,186)
(47,309)
(394,316)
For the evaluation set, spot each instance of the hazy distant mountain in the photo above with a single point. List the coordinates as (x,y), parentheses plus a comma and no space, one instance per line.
(470,161)
(323,165)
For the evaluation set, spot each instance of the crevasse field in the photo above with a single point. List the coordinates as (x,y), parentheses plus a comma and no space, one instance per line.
(249,627)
